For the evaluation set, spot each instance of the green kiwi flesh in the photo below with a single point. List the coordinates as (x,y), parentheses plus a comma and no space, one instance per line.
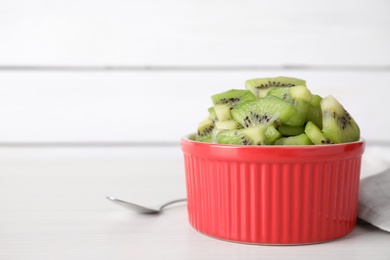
(233,97)
(315,134)
(301,139)
(212,114)
(227,125)
(279,111)
(205,129)
(225,101)
(316,100)
(287,130)
(222,111)
(314,114)
(298,96)
(255,135)
(260,86)
(266,110)
(337,124)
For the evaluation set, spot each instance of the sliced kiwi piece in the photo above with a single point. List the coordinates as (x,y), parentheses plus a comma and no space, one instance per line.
(223,111)
(192,137)
(205,129)
(287,130)
(315,134)
(233,97)
(337,124)
(255,135)
(314,112)
(227,125)
(266,110)
(301,93)
(225,101)
(215,134)
(301,139)
(260,86)
(316,100)
(300,97)
(212,114)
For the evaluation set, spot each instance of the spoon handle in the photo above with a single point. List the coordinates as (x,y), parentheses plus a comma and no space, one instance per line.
(172,202)
(141,209)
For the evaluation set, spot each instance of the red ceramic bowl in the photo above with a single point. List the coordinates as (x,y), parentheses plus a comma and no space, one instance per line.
(276,195)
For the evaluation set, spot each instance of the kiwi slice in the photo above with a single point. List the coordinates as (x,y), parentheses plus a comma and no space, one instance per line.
(316,100)
(337,124)
(300,97)
(227,125)
(222,111)
(225,101)
(315,134)
(314,112)
(221,126)
(278,111)
(287,130)
(233,97)
(212,114)
(255,135)
(205,129)
(301,139)
(267,110)
(260,86)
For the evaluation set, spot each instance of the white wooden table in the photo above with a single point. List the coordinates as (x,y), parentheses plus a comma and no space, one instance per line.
(53,206)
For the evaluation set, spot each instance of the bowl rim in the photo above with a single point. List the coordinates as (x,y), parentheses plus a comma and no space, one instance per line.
(272,153)
(187,138)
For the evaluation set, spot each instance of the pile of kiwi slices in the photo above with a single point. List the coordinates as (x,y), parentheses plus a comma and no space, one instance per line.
(276,111)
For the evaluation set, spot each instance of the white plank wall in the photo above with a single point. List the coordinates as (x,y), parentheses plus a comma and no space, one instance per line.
(174,32)
(143,71)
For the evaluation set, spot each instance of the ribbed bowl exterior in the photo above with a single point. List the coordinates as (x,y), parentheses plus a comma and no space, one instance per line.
(273,194)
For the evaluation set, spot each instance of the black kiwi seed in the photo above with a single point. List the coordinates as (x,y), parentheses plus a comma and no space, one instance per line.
(230,100)
(348,115)
(343,121)
(260,119)
(274,84)
(206,131)
(326,141)
(244,140)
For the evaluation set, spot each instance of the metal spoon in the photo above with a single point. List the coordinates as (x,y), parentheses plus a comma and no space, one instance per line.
(142,209)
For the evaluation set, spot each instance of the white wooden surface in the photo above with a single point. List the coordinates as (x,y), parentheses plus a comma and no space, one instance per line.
(53,206)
